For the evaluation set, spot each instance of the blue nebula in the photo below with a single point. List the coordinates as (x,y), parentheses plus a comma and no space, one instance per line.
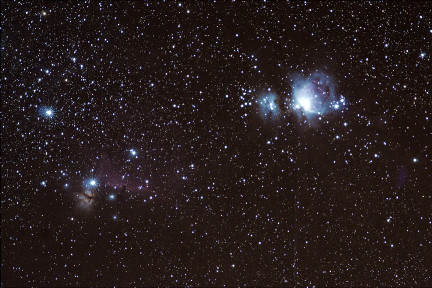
(314,95)
(268,106)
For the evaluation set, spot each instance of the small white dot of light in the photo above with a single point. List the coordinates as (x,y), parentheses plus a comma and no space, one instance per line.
(336,106)
(337,137)
(151,197)
(415,160)
(43,183)
(115,217)
(48,112)
(388,220)
(93,182)
(133,152)
(111,196)
(345,124)
(146,181)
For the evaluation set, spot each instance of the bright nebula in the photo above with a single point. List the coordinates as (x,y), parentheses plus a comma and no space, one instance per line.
(86,199)
(268,106)
(305,103)
(315,95)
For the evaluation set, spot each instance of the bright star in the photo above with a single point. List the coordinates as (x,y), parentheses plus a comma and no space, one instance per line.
(91,183)
(47,112)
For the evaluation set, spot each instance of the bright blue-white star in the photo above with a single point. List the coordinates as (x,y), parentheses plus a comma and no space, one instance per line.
(47,112)
(91,183)
(133,152)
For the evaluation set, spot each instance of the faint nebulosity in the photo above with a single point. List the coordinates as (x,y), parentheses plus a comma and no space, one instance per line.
(216,143)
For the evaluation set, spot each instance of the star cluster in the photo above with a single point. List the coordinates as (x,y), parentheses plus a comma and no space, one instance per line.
(216,143)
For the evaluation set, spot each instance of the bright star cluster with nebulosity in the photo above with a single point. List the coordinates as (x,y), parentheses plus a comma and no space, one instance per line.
(216,144)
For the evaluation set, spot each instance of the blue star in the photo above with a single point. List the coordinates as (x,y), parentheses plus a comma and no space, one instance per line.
(47,112)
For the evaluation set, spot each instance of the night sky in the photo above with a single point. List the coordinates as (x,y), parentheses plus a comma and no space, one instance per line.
(213,144)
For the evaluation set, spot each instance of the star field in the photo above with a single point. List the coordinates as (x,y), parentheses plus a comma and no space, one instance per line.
(216,144)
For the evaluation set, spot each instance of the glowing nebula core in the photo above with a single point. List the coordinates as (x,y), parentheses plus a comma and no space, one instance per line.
(313,95)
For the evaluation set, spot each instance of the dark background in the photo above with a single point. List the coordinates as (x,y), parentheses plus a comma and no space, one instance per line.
(306,209)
